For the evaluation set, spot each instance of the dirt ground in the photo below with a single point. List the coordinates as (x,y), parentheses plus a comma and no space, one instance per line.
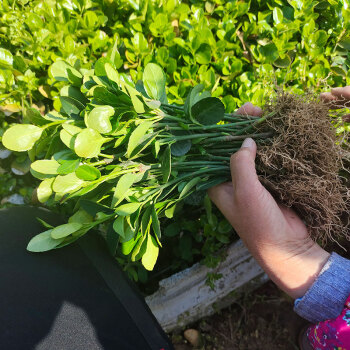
(262,320)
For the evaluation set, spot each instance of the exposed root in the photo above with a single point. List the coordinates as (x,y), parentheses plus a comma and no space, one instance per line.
(301,165)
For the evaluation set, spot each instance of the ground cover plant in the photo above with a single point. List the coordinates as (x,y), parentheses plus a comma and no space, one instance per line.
(234,48)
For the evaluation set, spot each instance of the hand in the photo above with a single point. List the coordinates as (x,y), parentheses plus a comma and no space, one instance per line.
(273,233)
(338,97)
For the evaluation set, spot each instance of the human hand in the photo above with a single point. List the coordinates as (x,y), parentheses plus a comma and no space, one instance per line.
(273,233)
(338,98)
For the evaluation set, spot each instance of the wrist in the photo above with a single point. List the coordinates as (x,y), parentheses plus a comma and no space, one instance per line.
(295,268)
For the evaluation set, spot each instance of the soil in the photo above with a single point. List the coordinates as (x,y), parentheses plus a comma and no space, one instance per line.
(262,320)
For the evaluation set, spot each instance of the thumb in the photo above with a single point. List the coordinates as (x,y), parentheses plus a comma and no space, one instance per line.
(243,171)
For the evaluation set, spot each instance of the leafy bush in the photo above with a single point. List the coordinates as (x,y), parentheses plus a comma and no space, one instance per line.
(234,48)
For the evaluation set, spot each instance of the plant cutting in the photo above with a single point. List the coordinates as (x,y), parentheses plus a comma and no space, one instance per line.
(127,158)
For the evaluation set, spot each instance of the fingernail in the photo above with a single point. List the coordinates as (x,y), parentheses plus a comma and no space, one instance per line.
(248,143)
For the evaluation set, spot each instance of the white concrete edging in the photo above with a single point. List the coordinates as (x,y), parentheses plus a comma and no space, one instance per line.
(185,297)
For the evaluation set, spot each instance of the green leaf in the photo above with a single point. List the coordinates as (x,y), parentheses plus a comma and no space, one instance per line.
(112,74)
(68,134)
(149,258)
(62,71)
(21,137)
(99,119)
(73,92)
(155,222)
(154,82)
(203,54)
(43,242)
(277,15)
(192,183)
(123,185)
(71,106)
(136,99)
(34,117)
(93,208)
(44,190)
(192,98)
(6,58)
(65,230)
(68,166)
(127,209)
(118,226)
(166,164)
(81,216)
(46,166)
(87,172)
(88,143)
(67,183)
(208,111)
(180,148)
(136,136)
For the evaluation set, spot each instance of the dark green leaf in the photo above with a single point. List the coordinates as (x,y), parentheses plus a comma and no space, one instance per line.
(208,111)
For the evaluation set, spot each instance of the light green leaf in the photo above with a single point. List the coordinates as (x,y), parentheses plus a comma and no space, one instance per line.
(277,15)
(99,119)
(88,143)
(127,209)
(44,190)
(43,242)
(88,172)
(149,258)
(112,74)
(68,134)
(155,222)
(68,166)
(123,185)
(189,186)
(45,166)
(203,54)
(67,183)
(71,106)
(65,230)
(21,137)
(136,99)
(62,71)
(6,58)
(81,216)
(136,136)
(154,82)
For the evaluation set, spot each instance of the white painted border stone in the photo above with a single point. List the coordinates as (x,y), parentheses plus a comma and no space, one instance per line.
(184,297)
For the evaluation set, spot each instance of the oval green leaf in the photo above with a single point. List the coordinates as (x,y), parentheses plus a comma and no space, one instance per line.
(154,82)
(21,137)
(208,111)
(149,258)
(46,166)
(65,230)
(88,143)
(127,209)
(43,242)
(98,119)
(88,172)
(123,185)
(67,183)
(44,190)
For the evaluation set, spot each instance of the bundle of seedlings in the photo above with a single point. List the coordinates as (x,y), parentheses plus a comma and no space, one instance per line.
(127,159)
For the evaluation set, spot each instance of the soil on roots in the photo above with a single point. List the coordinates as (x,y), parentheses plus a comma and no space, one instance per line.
(302,161)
